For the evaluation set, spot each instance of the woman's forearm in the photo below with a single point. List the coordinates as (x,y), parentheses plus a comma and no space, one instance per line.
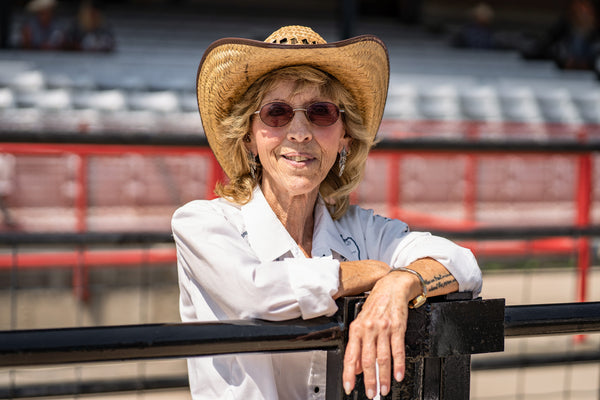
(357,277)
(438,279)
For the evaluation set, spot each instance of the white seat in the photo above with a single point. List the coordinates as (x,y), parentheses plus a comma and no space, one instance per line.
(128,121)
(57,99)
(588,105)
(557,106)
(9,69)
(116,79)
(440,103)
(188,101)
(188,122)
(29,81)
(481,103)
(7,98)
(101,100)
(402,102)
(162,102)
(519,104)
(63,80)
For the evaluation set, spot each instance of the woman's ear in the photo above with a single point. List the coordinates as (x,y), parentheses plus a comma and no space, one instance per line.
(345,142)
(250,143)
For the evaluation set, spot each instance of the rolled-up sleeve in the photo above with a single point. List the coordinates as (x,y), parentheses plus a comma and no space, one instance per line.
(391,241)
(458,260)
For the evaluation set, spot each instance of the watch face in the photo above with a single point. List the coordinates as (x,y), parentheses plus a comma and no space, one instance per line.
(418,301)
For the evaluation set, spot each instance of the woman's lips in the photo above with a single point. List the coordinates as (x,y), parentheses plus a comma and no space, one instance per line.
(297,158)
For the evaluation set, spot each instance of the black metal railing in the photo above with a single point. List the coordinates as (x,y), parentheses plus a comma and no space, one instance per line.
(550,319)
(150,341)
(440,340)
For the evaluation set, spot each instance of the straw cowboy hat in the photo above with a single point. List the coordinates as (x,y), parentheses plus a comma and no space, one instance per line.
(230,65)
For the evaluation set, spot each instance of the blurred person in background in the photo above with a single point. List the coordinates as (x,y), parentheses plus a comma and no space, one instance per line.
(89,31)
(292,120)
(40,29)
(478,32)
(573,42)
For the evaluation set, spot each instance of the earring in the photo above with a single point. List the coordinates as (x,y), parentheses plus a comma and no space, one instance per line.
(342,162)
(252,163)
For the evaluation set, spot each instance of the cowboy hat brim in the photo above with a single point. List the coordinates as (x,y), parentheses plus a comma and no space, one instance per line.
(230,66)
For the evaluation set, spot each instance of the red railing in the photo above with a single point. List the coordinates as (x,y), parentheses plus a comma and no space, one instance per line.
(82,151)
(555,245)
(393,152)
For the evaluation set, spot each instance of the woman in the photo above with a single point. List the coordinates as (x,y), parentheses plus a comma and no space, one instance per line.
(291,121)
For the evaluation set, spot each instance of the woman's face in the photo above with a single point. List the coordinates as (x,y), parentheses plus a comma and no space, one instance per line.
(296,157)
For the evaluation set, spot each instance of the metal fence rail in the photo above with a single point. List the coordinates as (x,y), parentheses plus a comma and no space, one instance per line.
(550,319)
(535,360)
(70,345)
(440,339)
(149,341)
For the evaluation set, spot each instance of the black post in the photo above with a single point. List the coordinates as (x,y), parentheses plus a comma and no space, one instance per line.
(440,338)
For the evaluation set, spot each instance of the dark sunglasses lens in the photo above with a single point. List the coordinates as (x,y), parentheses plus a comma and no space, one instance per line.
(276,114)
(323,114)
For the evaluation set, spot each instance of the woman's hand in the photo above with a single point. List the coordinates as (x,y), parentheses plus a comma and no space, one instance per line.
(376,336)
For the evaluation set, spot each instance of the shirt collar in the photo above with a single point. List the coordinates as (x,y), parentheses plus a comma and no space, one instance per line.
(266,234)
(270,240)
(328,237)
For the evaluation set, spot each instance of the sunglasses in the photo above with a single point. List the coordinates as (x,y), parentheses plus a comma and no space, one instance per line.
(277,114)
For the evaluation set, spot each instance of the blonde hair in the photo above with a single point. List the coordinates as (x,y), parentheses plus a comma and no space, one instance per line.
(236,128)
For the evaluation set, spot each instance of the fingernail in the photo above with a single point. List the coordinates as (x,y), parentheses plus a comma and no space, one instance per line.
(370,393)
(384,390)
(399,377)
(347,387)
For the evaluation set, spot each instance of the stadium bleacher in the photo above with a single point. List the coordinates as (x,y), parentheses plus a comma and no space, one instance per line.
(147,86)
(155,63)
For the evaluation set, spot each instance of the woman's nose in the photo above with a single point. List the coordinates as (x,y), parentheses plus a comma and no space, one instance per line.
(299,128)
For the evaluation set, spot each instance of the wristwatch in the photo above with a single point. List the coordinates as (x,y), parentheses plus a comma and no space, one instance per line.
(420,299)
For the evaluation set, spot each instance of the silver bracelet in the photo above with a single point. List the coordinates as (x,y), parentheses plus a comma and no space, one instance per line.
(420,299)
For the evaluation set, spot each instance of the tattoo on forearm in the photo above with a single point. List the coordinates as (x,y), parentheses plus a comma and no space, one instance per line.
(439,282)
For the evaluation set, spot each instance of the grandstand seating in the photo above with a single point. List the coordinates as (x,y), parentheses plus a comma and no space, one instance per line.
(406,101)
(147,86)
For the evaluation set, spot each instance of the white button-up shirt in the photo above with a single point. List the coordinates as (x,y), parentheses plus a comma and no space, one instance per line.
(239,262)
